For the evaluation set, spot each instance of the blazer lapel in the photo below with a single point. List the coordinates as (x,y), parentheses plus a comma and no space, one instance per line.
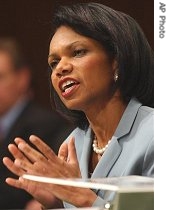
(114,150)
(84,160)
(128,118)
(108,159)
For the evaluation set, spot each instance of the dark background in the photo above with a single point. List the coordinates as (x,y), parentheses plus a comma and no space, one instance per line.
(29,22)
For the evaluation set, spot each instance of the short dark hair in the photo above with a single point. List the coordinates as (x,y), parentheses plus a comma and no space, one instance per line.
(122,38)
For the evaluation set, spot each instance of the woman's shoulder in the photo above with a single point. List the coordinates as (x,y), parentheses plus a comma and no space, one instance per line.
(147,109)
(144,122)
(146,112)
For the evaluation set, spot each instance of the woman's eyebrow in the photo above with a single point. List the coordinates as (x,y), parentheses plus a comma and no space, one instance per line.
(67,47)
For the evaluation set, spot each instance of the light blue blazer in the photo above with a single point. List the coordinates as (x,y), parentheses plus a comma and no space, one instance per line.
(131,151)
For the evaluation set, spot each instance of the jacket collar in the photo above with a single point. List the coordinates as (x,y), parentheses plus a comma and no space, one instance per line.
(128,118)
(114,149)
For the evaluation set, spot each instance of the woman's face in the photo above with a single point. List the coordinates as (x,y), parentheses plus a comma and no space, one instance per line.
(82,72)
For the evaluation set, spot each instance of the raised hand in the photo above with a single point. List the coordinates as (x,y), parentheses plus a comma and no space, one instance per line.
(45,197)
(44,162)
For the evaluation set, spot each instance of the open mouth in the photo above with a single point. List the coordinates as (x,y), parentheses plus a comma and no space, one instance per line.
(68,85)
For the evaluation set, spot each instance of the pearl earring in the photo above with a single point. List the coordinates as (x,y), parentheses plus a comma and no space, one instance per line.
(116,76)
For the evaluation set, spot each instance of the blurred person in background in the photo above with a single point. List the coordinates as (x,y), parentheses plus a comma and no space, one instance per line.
(21,116)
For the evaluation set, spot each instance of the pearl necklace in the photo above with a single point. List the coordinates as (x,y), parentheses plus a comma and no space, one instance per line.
(98,150)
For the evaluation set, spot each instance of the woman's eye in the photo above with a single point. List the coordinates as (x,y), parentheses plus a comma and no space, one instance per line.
(80,52)
(53,64)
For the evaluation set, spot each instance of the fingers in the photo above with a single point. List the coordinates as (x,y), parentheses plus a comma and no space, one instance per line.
(41,161)
(21,184)
(39,193)
(26,152)
(18,140)
(72,157)
(67,151)
(63,151)
(42,147)
(15,183)
(32,154)
(12,167)
(16,153)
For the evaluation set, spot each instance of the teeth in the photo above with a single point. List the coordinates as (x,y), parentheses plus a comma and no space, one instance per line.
(67,84)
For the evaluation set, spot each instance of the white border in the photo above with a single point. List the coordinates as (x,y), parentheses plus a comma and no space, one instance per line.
(161,57)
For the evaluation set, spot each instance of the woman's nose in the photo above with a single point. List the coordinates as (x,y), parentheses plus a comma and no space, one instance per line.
(63,68)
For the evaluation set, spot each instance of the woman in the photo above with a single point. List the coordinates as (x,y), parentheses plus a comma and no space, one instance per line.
(102,75)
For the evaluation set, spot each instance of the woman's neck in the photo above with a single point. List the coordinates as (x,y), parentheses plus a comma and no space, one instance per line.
(105,119)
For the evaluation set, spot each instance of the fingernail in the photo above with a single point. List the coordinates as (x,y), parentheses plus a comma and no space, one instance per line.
(21,146)
(21,179)
(17,162)
(32,138)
